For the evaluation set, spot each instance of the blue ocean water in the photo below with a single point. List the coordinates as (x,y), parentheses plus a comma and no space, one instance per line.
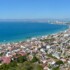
(16,31)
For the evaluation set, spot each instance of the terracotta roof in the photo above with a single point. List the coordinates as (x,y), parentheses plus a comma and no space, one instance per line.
(6,60)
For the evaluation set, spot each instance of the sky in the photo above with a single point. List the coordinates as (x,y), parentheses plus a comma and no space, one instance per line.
(34,9)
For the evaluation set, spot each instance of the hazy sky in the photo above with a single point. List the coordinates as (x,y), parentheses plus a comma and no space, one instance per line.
(22,9)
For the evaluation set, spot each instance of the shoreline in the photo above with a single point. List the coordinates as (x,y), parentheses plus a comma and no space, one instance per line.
(48,49)
(36,37)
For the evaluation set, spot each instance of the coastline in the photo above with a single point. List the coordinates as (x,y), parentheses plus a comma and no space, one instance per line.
(51,49)
(37,36)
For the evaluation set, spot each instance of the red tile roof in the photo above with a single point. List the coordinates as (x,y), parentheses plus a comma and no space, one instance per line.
(6,60)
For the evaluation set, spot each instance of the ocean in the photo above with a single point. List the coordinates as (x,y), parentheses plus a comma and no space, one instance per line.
(18,31)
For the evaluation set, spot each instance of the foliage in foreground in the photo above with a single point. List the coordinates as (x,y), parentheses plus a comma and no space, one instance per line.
(22,64)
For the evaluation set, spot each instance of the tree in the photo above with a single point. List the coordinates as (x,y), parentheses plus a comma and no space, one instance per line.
(4,67)
(21,59)
(56,68)
(37,67)
(59,62)
(27,65)
(12,64)
(35,59)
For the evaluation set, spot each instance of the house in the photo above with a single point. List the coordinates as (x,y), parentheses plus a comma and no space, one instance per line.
(6,60)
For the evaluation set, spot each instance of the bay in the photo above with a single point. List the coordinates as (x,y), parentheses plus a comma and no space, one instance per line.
(17,31)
